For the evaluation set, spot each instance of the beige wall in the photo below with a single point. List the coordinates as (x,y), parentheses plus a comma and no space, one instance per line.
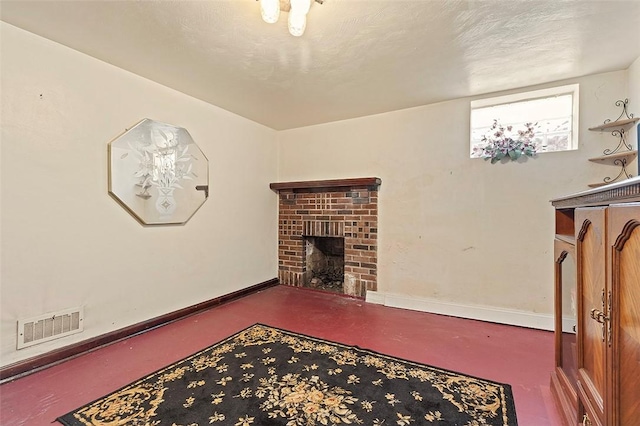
(634,86)
(66,243)
(453,229)
(634,108)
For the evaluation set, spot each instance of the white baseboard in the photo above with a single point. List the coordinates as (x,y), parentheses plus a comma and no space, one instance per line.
(476,312)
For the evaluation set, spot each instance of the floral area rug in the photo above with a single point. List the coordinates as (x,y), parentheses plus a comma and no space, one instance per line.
(265,376)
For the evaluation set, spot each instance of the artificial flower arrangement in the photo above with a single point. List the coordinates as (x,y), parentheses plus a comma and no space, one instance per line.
(500,142)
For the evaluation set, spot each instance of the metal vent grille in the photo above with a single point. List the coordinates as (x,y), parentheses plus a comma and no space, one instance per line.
(43,328)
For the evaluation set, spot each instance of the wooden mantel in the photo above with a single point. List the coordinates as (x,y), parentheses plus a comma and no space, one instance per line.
(369,182)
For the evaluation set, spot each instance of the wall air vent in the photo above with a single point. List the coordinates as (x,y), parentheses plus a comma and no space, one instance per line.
(40,329)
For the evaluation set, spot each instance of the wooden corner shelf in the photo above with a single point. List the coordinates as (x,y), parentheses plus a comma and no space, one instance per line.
(629,155)
(622,154)
(614,124)
(597,185)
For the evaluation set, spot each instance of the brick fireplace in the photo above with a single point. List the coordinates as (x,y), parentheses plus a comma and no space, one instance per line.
(341,209)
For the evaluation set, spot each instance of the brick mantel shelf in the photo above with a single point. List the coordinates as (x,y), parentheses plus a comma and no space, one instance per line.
(346,208)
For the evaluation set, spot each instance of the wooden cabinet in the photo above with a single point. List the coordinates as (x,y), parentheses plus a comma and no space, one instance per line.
(601,228)
(592,309)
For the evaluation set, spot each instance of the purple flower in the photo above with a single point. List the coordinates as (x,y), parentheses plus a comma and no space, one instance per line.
(498,144)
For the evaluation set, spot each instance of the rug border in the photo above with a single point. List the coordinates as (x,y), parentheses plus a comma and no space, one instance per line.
(510,403)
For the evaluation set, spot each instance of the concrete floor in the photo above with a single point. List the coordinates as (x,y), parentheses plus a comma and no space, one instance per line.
(518,356)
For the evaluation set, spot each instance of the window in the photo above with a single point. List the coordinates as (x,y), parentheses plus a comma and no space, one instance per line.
(554,110)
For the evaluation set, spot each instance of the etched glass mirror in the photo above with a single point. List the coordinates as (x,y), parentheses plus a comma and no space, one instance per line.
(158,173)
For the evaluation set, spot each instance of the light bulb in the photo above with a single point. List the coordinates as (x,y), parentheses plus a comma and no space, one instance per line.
(300,6)
(297,23)
(270,10)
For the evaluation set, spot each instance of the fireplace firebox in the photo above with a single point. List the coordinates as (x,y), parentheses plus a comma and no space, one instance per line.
(324,263)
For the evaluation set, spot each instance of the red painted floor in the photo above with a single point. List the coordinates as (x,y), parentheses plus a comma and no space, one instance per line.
(518,356)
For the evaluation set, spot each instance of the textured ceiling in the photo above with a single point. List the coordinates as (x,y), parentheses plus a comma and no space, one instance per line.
(357,57)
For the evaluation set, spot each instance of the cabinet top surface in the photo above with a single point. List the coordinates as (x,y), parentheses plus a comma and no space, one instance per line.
(623,191)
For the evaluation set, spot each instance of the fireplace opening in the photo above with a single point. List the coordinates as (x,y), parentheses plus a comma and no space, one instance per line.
(325,263)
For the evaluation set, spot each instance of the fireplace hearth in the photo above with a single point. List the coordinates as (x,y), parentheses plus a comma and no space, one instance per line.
(315,218)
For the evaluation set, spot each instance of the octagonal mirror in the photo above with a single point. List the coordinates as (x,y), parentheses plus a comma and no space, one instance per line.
(158,173)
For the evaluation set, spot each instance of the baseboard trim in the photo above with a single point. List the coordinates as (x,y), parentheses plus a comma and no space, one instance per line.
(475,312)
(56,356)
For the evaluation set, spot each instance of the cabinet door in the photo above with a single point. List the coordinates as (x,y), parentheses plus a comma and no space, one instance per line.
(591,263)
(624,243)
(564,377)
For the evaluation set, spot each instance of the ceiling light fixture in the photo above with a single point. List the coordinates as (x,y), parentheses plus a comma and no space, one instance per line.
(298,10)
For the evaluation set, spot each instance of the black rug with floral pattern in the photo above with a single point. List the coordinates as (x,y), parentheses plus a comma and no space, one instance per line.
(265,376)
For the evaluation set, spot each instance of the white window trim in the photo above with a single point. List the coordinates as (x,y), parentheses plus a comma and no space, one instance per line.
(572,89)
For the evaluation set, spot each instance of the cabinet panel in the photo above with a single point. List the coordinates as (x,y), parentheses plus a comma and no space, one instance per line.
(591,416)
(568,350)
(624,239)
(564,377)
(591,261)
